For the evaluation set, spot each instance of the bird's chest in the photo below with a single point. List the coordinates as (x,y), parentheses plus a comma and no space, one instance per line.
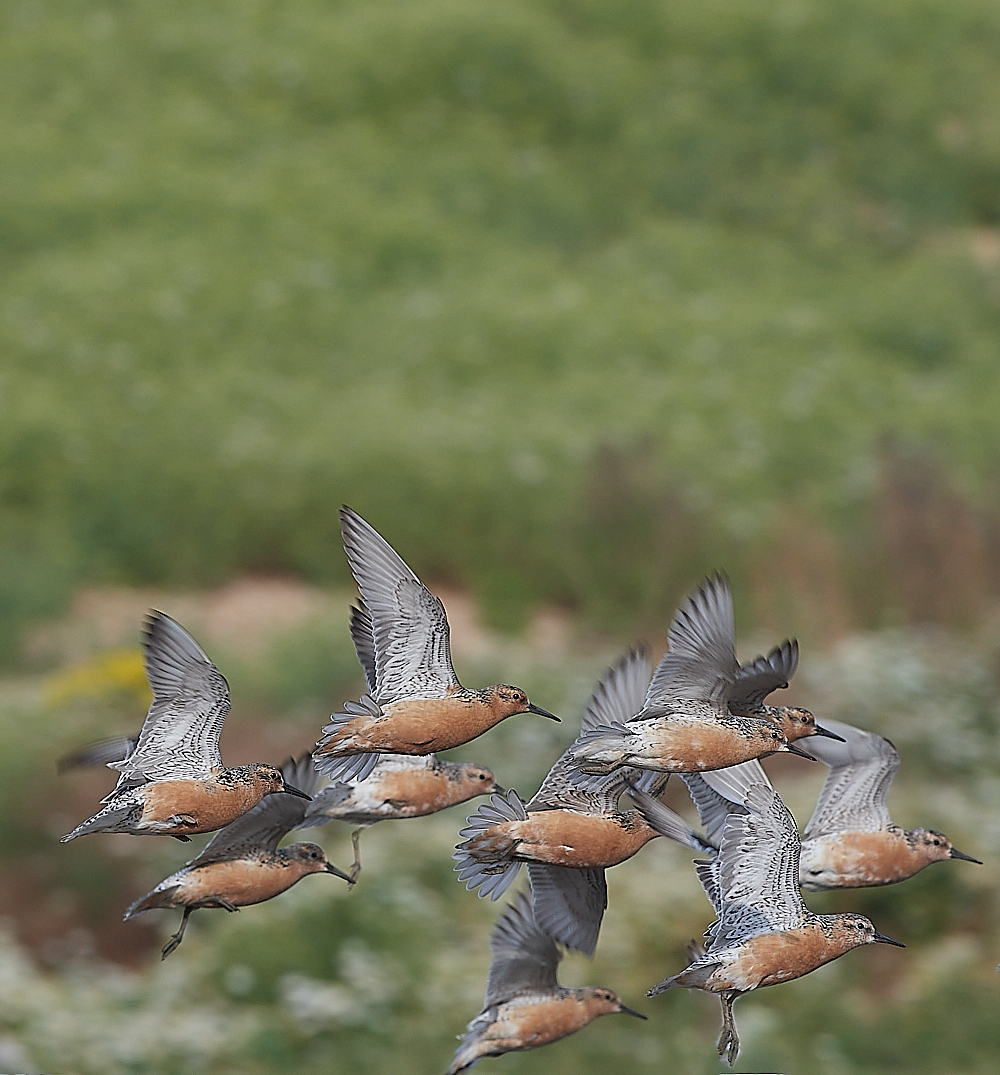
(583,841)
(240,881)
(427,725)
(539,1022)
(194,805)
(856,860)
(687,746)
(409,793)
(776,957)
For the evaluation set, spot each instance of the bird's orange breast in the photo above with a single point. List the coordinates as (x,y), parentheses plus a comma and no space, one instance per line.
(210,804)
(777,957)
(418,791)
(701,745)
(859,859)
(539,1022)
(415,726)
(240,881)
(582,841)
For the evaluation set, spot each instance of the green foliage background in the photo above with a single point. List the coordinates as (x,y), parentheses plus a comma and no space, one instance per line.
(573,300)
(569,299)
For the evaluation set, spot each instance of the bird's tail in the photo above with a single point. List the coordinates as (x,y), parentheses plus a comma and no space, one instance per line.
(667,823)
(159,897)
(602,750)
(485,860)
(110,819)
(350,765)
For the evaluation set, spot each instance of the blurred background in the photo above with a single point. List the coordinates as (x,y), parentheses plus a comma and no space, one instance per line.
(574,301)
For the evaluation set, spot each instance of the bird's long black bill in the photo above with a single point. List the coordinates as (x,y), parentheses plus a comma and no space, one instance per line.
(295,791)
(792,749)
(625,1010)
(498,789)
(829,735)
(883,939)
(956,854)
(532,708)
(330,868)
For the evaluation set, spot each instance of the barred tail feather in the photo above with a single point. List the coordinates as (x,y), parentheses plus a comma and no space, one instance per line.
(152,900)
(345,767)
(115,819)
(487,864)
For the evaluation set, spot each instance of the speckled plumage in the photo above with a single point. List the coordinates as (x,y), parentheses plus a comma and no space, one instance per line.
(173,782)
(415,703)
(525,1007)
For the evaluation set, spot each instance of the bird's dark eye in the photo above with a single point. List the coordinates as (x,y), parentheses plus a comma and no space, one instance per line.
(937,843)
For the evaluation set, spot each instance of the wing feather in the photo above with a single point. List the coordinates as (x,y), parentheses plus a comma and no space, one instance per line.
(853,797)
(756,679)
(700,664)
(409,625)
(524,958)
(180,737)
(758,876)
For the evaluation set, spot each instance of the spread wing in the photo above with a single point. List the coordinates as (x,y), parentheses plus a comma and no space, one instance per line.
(180,738)
(264,826)
(409,625)
(618,695)
(854,794)
(756,680)
(721,793)
(758,873)
(569,904)
(363,637)
(700,664)
(524,958)
(117,748)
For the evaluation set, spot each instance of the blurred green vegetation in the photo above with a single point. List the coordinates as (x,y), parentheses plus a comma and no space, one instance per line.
(573,302)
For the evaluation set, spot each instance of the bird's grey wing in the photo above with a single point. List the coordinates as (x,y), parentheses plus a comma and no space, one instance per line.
(562,789)
(756,679)
(569,904)
(713,808)
(854,793)
(620,692)
(524,958)
(409,625)
(618,695)
(700,664)
(363,637)
(118,748)
(180,738)
(264,826)
(758,875)
(321,810)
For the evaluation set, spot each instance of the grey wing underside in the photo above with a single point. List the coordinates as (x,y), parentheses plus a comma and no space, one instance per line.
(758,871)
(618,695)
(569,904)
(722,794)
(117,748)
(700,664)
(759,677)
(363,637)
(264,826)
(524,959)
(410,628)
(180,738)
(853,797)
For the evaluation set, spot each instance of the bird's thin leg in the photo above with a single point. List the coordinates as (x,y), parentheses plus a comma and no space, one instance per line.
(356,868)
(176,939)
(729,1039)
